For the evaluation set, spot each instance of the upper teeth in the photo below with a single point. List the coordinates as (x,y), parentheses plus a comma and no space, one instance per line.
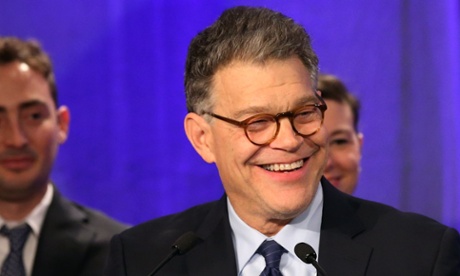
(284,167)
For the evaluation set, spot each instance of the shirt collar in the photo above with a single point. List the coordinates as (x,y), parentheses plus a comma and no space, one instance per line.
(37,216)
(304,228)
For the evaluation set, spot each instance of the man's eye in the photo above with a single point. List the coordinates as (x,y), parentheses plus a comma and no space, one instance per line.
(33,116)
(36,116)
(339,142)
(307,116)
(259,124)
(305,113)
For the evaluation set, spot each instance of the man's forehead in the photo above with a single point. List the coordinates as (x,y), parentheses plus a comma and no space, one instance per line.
(15,69)
(244,74)
(21,86)
(23,67)
(19,71)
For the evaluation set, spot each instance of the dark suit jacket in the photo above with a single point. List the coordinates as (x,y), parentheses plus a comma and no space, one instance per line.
(358,237)
(74,240)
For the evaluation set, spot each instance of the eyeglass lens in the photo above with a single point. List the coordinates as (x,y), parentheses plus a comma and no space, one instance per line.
(261,129)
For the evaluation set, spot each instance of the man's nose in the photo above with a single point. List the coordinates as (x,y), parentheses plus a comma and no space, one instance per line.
(287,138)
(329,163)
(12,135)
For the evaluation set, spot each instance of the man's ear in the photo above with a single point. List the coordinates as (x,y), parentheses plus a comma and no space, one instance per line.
(63,119)
(200,136)
(360,141)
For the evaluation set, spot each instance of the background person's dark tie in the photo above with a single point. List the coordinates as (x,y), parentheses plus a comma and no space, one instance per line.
(272,252)
(13,264)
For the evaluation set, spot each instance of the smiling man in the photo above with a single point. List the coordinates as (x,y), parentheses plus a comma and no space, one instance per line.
(42,233)
(255,112)
(269,172)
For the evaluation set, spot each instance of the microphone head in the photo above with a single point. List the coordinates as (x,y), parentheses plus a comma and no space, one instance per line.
(185,242)
(305,252)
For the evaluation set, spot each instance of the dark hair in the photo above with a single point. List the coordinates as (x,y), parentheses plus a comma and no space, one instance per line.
(14,49)
(333,88)
(245,34)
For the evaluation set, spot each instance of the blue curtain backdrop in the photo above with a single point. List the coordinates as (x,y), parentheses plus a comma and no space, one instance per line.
(120,63)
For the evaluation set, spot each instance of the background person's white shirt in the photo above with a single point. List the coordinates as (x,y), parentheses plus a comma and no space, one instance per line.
(35,220)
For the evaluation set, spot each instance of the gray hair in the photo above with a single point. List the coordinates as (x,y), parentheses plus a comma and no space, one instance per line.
(245,34)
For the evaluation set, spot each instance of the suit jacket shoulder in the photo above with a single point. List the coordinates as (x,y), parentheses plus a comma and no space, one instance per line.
(138,250)
(74,240)
(360,237)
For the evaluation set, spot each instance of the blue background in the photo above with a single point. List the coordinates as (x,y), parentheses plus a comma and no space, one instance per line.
(120,63)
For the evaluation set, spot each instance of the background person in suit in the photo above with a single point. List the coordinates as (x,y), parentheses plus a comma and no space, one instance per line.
(62,237)
(345,140)
(254,111)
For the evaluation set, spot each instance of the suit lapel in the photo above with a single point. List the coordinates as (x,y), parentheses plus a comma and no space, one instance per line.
(339,254)
(63,239)
(216,250)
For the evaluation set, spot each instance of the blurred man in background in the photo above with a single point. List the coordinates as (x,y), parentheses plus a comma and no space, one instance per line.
(345,140)
(42,233)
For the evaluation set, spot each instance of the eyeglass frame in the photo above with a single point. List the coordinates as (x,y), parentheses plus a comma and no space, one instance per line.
(287,114)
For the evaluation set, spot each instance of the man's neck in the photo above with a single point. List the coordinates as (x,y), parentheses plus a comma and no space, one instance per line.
(18,210)
(271,227)
(266,226)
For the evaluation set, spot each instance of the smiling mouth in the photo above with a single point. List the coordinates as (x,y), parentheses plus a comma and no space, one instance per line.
(16,164)
(284,167)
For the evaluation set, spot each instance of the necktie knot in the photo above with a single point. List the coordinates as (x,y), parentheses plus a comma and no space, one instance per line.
(17,236)
(272,252)
(13,264)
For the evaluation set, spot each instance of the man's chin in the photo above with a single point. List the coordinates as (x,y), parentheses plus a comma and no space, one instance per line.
(19,189)
(334,181)
(290,208)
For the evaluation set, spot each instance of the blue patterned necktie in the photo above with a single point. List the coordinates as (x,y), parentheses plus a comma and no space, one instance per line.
(13,264)
(272,252)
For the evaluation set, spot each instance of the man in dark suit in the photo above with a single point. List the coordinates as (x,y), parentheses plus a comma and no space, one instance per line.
(42,233)
(255,112)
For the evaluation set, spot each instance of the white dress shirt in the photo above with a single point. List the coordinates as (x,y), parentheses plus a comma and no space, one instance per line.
(304,228)
(35,220)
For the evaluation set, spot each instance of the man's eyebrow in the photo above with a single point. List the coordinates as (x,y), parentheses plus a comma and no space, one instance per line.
(310,99)
(31,103)
(26,105)
(342,131)
(250,111)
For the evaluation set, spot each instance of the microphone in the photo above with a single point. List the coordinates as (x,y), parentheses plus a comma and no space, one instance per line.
(181,246)
(307,254)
